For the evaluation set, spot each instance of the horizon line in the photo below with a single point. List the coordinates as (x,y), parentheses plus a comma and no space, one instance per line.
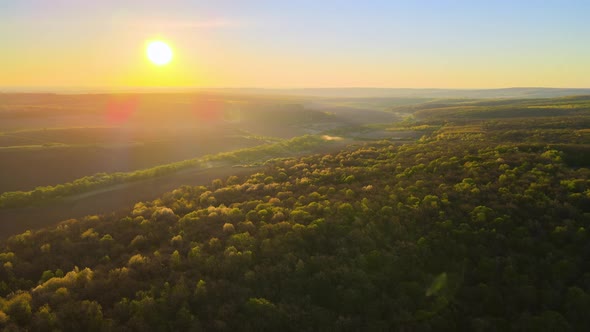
(101,89)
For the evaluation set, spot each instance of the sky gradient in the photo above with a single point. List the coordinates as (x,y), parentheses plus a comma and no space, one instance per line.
(294,44)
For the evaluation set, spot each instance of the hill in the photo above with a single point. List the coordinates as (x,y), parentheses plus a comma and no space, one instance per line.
(470,228)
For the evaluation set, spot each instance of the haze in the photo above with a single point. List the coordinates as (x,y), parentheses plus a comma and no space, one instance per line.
(286,44)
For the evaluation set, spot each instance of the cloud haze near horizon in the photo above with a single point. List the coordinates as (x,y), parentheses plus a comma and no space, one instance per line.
(283,44)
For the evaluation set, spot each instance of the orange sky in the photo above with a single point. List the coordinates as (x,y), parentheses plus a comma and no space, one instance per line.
(274,44)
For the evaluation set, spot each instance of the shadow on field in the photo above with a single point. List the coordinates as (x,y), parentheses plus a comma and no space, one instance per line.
(119,199)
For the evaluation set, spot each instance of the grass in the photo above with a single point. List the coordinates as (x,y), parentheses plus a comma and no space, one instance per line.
(102,180)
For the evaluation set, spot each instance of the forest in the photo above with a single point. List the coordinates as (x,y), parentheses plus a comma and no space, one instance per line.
(474,222)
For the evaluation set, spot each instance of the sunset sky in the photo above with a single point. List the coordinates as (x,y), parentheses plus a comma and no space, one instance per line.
(290,44)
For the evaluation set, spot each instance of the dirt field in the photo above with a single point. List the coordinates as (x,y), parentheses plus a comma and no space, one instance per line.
(119,200)
(25,169)
(52,139)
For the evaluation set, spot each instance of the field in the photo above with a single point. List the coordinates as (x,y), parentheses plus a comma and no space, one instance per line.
(50,165)
(52,139)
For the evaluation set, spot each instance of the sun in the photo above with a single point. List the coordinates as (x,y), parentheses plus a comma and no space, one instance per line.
(159,53)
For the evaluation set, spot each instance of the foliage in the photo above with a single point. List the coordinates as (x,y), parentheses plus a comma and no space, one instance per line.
(501,108)
(465,231)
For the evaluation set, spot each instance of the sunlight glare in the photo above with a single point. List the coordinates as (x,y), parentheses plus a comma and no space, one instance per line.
(159,53)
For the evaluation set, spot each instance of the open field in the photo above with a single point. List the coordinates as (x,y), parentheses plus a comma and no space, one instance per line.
(50,139)
(50,165)
(53,165)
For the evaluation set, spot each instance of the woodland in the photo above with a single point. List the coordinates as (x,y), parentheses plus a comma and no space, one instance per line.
(474,222)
